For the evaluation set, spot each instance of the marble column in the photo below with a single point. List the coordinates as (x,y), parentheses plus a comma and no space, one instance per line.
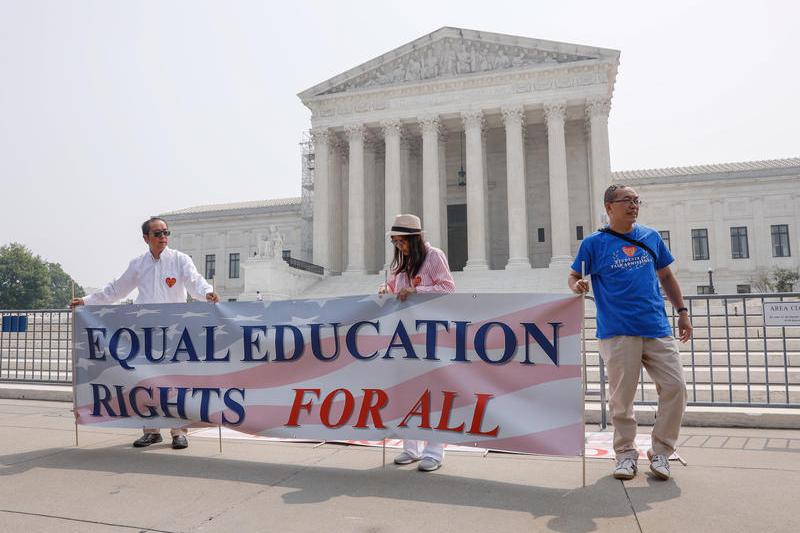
(356,257)
(392,134)
(431,185)
(514,119)
(559,188)
(442,146)
(597,110)
(476,192)
(322,218)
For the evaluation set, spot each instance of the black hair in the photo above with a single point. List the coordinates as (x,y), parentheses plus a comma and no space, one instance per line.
(609,194)
(146,224)
(411,263)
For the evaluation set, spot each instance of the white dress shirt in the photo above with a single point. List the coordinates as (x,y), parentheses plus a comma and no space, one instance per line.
(160,281)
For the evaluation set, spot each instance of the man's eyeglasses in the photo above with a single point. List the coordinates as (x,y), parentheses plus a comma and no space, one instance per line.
(159,233)
(632,201)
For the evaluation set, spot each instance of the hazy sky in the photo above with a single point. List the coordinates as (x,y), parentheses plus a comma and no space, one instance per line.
(111,111)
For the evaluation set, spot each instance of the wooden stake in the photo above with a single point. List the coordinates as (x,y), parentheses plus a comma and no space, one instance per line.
(74,367)
(220,438)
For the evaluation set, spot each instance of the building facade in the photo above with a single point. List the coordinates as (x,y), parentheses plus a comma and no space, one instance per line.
(500,144)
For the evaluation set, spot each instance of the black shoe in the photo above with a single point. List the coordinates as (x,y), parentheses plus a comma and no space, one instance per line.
(179,442)
(147,439)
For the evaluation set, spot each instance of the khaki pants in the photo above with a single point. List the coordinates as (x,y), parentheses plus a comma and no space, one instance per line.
(624,357)
(173,432)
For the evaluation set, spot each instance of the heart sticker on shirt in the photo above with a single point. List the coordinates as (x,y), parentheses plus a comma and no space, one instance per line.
(630,251)
(170,282)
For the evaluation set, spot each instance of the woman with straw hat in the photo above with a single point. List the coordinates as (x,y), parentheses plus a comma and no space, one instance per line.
(417,267)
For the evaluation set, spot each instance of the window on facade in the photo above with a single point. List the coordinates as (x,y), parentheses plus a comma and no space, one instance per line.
(579,232)
(739,248)
(540,234)
(233,266)
(231,299)
(665,237)
(211,266)
(704,289)
(700,245)
(743,289)
(780,240)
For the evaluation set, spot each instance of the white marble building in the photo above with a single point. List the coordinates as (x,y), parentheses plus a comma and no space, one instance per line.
(527,121)
(222,238)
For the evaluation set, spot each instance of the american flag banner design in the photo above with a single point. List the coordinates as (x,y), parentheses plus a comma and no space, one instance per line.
(498,371)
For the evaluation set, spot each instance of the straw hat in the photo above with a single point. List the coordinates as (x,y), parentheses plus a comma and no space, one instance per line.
(406,225)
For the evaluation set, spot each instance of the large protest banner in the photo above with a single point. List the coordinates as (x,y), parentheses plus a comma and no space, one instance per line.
(500,371)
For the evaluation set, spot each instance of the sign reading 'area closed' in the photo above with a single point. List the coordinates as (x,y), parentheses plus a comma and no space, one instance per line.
(782,313)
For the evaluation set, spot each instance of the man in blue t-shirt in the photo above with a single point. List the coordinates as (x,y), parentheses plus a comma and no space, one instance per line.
(626,261)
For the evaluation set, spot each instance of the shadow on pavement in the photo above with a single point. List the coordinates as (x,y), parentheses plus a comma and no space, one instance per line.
(572,510)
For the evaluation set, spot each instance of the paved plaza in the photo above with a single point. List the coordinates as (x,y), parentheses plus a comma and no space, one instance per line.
(736,480)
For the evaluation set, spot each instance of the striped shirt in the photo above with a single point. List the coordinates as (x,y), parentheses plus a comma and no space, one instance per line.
(433,276)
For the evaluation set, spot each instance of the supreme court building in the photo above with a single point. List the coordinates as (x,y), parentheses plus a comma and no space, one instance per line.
(500,144)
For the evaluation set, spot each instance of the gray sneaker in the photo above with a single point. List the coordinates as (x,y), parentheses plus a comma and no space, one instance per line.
(405,458)
(625,469)
(429,464)
(659,464)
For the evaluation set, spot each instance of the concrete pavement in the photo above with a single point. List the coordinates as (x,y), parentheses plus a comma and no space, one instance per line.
(737,480)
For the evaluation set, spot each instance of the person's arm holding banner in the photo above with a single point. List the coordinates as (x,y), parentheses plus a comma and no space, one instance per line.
(196,285)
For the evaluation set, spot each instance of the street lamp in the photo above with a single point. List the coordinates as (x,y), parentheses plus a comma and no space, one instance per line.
(711,280)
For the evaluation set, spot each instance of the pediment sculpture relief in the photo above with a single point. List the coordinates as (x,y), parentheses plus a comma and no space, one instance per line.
(453,57)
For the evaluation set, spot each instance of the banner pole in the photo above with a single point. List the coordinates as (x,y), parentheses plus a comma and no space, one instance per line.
(384,452)
(74,366)
(219,427)
(583,373)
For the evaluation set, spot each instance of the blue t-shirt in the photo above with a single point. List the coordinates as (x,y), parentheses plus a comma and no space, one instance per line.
(625,284)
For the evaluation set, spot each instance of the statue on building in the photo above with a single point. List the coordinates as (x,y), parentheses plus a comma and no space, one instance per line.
(270,246)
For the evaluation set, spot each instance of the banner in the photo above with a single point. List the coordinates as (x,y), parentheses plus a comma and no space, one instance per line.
(500,371)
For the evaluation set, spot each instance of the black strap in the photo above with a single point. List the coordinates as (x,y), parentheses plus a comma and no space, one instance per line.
(628,239)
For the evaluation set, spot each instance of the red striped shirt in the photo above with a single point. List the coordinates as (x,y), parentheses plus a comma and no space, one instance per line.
(434,275)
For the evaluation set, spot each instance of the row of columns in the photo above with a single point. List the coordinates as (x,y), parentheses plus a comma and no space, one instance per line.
(434,185)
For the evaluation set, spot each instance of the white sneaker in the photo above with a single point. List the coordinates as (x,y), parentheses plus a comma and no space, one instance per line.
(659,464)
(405,458)
(625,469)
(429,464)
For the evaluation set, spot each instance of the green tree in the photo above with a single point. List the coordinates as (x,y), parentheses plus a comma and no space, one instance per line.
(61,287)
(24,279)
(29,282)
(784,279)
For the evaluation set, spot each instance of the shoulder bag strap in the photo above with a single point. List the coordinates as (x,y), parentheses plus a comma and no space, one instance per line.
(628,239)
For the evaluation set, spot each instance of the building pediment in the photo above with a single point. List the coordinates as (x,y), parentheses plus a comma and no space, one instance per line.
(454,52)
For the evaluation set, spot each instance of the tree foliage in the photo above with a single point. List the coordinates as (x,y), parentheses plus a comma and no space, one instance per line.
(29,282)
(777,280)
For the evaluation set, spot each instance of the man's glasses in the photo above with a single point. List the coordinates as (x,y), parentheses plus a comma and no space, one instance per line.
(159,233)
(633,201)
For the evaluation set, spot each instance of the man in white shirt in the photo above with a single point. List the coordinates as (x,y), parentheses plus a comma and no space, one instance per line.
(162,275)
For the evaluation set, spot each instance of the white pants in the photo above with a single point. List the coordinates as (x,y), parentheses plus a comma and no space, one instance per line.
(421,448)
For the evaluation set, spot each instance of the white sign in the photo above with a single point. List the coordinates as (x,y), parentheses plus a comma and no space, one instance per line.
(782,313)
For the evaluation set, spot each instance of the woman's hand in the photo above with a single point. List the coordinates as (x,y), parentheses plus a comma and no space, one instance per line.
(404,292)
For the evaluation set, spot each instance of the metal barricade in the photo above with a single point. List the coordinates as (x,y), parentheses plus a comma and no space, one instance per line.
(35,346)
(733,358)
